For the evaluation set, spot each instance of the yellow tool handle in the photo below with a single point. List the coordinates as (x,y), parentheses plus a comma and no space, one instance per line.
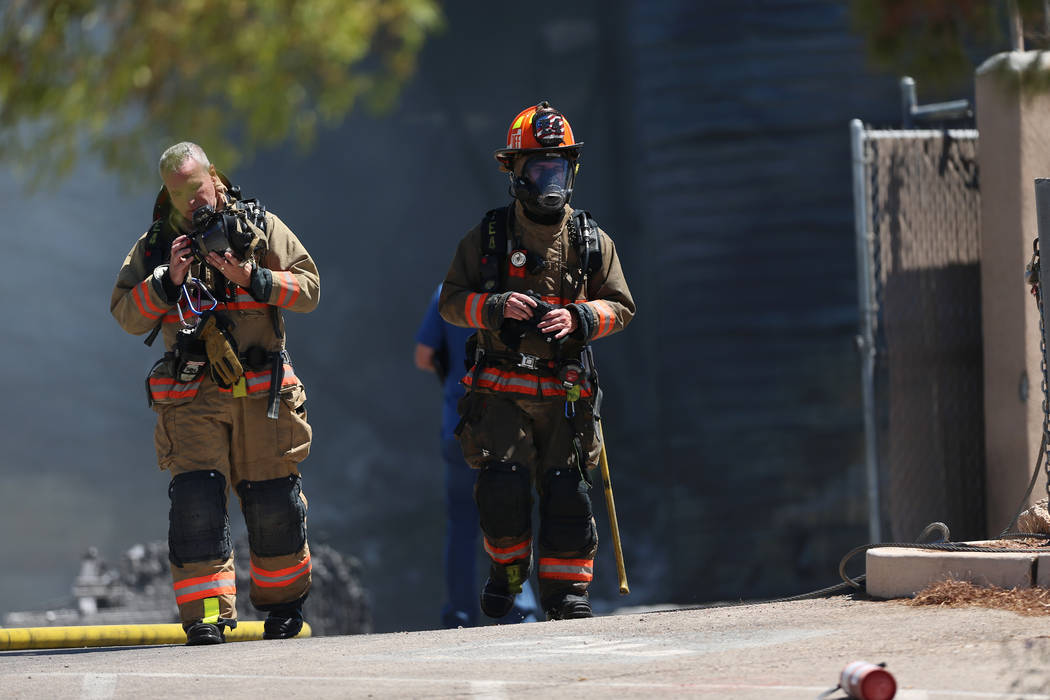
(610,506)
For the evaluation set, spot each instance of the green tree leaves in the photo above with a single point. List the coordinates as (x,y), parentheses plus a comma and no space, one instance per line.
(122,79)
(941,42)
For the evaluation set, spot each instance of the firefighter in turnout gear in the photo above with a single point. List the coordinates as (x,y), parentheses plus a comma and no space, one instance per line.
(212,276)
(538,281)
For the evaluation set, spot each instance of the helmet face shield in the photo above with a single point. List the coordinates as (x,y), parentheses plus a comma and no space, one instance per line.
(546,172)
(545,182)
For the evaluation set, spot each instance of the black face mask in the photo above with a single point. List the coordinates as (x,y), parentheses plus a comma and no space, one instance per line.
(545,184)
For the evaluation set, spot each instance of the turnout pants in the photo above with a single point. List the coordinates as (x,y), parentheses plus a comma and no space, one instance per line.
(208,445)
(520,444)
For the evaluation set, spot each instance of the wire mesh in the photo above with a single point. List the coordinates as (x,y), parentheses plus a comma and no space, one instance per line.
(923,204)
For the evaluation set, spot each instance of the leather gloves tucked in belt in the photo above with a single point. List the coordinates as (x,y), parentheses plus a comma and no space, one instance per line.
(221,349)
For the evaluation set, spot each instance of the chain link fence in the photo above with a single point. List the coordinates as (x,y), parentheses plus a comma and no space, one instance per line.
(918,248)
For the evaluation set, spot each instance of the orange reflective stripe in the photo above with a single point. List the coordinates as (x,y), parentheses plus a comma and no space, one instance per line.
(519,383)
(191,589)
(163,388)
(140,293)
(289,288)
(278,281)
(173,314)
(188,582)
(566,569)
(599,309)
(555,561)
(505,555)
(279,572)
(474,306)
(256,382)
(280,577)
(289,377)
(242,305)
(606,318)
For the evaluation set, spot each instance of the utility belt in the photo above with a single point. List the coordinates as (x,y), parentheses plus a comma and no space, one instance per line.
(576,375)
(188,361)
(514,359)
(572,372)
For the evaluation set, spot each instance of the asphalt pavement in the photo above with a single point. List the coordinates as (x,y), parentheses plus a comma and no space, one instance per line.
(772,650)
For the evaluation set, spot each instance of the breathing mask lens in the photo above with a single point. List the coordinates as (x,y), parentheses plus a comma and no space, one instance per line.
(548,178)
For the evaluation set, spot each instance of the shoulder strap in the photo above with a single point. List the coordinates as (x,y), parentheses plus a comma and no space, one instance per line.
(156,252)
(493,248)
(587,240)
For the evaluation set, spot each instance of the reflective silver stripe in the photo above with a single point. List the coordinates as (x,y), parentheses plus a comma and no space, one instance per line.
(552,569)
(501,379)
(259,381)
(519,553)
(473,302)
(222,582)
(287,577)
(264,379)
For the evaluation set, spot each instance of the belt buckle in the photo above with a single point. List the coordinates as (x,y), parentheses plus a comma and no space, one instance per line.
(529,361)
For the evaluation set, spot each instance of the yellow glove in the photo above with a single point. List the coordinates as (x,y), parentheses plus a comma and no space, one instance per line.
(222,352)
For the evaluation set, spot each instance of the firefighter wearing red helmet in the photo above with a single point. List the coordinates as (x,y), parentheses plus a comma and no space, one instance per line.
(539,281)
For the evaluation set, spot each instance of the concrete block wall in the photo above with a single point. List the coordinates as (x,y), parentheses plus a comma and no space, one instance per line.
(1013,118)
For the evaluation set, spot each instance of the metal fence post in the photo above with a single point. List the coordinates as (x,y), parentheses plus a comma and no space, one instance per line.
(866,336)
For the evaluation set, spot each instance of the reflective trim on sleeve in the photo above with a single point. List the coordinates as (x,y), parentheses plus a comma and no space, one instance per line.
(140,293)
(474,306)
(606,318)
(288,285)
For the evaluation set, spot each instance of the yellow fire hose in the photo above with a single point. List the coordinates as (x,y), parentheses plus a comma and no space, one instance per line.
(116,635)
(610,505)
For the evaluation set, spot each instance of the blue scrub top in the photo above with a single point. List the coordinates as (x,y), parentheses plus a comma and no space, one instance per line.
(437,333)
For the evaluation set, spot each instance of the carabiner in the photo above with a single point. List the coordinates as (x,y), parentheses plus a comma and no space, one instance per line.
(189,301)
(200,287)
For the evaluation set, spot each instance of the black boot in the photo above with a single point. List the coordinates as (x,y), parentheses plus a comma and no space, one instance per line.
(497,597)
(568,606)
(207,632)
(284,622)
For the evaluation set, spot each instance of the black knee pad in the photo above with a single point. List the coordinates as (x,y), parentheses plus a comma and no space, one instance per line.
(198,526)
(274,514)
(504,496)
(565,512)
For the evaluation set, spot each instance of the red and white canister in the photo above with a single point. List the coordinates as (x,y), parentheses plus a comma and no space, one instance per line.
(865,681)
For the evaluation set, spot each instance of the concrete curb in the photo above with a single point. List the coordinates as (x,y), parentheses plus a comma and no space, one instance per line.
(900,572)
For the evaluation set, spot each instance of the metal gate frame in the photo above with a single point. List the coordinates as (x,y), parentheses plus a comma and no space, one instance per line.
(868,302)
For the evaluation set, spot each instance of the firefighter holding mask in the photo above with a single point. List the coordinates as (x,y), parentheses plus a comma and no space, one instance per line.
(212,276)
(539,282)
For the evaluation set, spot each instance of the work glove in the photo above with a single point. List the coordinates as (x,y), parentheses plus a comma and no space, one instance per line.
(221,349)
